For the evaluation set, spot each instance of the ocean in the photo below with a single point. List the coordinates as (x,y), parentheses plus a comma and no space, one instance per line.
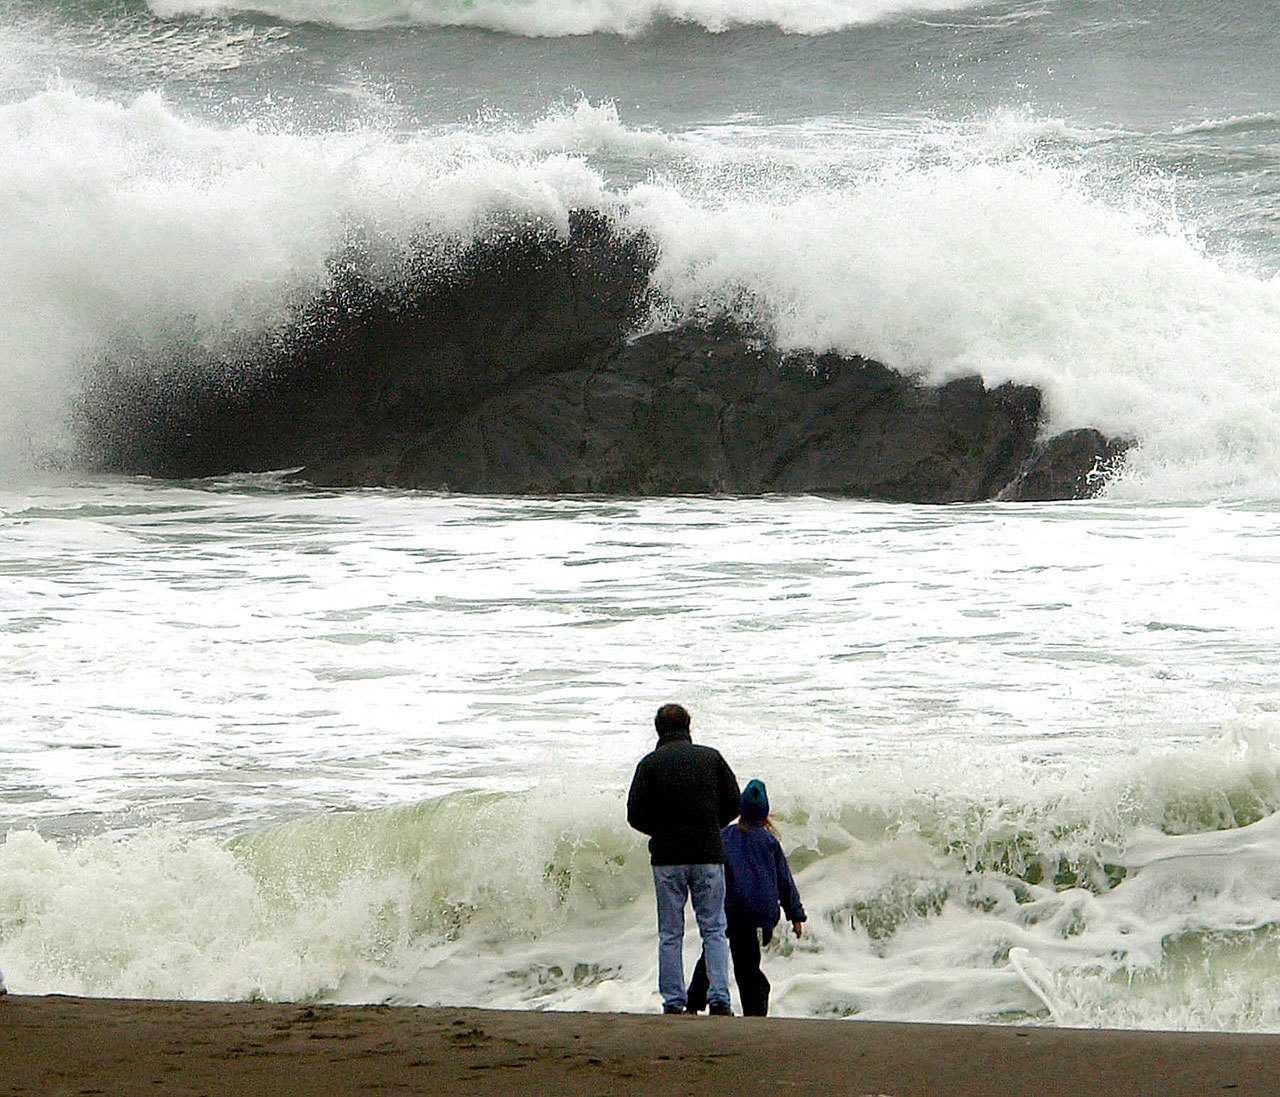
(262,740)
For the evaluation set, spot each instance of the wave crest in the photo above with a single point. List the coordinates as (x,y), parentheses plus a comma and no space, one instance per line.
(561,18)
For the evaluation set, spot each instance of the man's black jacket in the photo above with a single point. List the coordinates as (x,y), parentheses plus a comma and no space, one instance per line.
(681,795)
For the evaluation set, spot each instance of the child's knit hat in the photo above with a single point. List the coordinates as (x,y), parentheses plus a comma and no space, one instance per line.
(755,802)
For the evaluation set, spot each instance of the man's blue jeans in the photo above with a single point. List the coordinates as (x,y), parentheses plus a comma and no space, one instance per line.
(674,884)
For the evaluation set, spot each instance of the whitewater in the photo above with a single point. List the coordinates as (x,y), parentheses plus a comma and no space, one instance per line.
(264,741)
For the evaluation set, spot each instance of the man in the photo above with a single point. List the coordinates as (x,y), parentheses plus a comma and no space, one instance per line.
(681,796)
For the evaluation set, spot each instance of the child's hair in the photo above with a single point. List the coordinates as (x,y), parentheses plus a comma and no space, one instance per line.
(763,824)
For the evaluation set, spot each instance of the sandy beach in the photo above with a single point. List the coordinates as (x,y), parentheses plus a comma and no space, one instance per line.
(61,1045)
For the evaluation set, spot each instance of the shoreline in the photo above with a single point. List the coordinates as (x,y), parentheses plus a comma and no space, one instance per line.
(68,1045)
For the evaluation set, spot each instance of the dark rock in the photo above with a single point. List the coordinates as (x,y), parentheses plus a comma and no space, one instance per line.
(511,370)
(367,364)
(1073,465)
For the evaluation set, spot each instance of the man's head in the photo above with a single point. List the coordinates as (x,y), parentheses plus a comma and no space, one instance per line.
(671,720)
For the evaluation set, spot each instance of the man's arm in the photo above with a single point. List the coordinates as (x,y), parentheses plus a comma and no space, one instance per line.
(728,795)
(639,808)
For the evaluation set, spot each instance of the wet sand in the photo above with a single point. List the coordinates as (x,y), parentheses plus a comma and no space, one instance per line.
(58,1045)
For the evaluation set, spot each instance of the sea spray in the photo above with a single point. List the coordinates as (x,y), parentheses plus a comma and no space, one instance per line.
(129,224)
(1013,266)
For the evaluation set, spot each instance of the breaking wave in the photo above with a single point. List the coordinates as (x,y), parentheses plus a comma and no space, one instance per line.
(966,253)
(1043,897)
(557,18)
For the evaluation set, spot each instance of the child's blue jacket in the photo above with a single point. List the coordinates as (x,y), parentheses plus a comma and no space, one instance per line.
(757,879)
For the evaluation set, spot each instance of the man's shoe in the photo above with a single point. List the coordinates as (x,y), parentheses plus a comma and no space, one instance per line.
(671,1011)
(720,1009)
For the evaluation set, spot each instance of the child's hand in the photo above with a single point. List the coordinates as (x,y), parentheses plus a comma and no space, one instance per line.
(799,928)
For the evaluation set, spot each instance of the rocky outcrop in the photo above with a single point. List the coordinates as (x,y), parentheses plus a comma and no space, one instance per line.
(706,410)
(1072,465)
(514,371)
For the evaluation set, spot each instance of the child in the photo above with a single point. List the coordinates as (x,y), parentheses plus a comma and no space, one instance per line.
(757,878)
